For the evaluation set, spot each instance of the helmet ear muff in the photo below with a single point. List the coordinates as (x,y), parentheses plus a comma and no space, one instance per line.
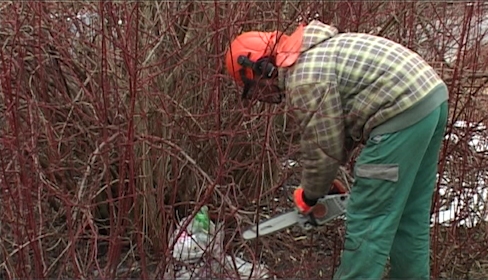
(263,68)
(266,68)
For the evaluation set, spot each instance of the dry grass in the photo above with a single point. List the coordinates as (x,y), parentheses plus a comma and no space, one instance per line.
(108,137)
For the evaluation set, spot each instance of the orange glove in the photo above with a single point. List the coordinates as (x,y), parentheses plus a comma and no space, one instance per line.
(303,204)
(306,205)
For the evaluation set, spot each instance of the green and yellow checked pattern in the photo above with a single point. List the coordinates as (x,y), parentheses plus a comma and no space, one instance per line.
(343,87)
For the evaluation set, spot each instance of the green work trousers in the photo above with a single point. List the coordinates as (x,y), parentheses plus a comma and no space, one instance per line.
(388,213)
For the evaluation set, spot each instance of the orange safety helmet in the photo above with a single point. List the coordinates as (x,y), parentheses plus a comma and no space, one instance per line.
(281,49)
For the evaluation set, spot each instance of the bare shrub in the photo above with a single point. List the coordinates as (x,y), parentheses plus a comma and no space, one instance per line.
(118,119)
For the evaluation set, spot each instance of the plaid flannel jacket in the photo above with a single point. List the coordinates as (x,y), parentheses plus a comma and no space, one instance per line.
(341,87)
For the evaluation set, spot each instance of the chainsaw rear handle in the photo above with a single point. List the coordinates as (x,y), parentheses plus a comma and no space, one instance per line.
(337,188)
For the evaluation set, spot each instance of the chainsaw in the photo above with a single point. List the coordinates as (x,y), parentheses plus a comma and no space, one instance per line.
(328,208)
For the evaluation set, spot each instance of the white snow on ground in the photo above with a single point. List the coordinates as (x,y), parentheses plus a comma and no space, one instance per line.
(468,205)
(467,211)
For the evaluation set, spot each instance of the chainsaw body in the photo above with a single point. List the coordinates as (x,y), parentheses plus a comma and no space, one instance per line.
(327,209)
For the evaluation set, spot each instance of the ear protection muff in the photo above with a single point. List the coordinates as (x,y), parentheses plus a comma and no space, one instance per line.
(263,68)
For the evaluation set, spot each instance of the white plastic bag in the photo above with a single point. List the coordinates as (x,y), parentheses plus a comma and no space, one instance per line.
(199,253)
(199,236)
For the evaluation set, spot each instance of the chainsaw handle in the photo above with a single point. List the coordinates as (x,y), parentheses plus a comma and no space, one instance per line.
(337,187)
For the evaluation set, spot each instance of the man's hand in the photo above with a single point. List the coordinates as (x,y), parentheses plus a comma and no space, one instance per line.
(304,204)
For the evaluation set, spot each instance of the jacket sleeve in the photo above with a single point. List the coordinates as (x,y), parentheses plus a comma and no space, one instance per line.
(318,108)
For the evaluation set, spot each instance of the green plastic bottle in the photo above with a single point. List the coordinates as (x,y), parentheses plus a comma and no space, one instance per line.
(202,220)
